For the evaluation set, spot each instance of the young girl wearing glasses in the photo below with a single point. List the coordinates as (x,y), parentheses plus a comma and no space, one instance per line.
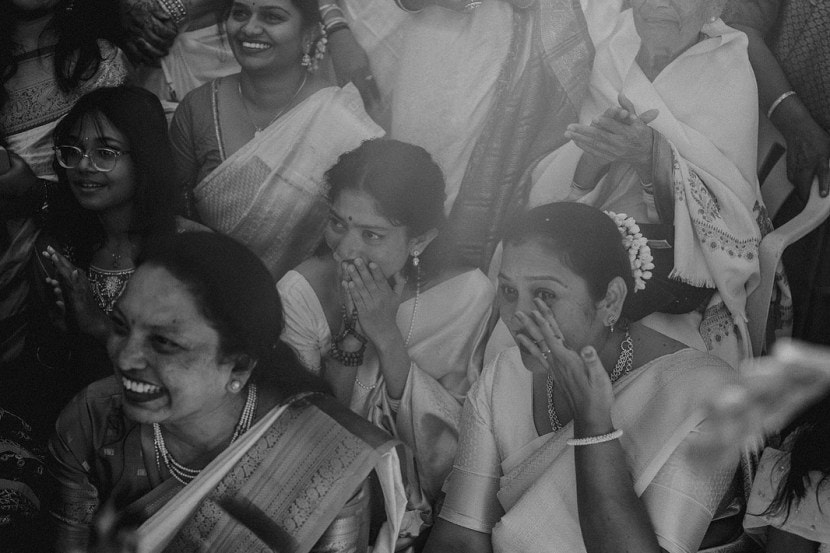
(115,193)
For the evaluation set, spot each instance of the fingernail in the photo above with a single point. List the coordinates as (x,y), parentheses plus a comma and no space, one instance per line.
(588,353)
(358,261)
(372,265)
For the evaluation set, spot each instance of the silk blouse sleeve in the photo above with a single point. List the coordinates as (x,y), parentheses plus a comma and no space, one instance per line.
(472,485)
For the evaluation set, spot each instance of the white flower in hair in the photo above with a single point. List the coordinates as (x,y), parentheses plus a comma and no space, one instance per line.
(639,254)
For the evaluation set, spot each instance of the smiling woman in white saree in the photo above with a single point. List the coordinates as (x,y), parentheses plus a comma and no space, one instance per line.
(255,166)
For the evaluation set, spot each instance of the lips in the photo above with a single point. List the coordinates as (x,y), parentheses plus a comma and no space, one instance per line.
(137,391)
(88,185)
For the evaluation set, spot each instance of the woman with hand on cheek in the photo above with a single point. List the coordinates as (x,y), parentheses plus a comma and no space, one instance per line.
(578,439)
(395,330)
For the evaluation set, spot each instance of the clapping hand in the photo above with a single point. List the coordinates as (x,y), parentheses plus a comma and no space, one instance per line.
(375,300)
(619,134)
(581,375)
(73,297)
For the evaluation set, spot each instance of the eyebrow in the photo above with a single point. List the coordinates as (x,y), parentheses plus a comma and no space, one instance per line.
(367,227)
(535,278)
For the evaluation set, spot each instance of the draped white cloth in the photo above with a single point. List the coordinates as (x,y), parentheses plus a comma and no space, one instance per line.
(521,487)
(446,348)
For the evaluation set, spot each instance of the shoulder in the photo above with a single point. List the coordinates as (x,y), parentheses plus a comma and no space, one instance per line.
(85,419)
(504,371)
(312,274)
(699,374)
(199,97)
(469,282)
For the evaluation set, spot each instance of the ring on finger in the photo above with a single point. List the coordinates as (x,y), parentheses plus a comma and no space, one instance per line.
(471,6)
(545,354)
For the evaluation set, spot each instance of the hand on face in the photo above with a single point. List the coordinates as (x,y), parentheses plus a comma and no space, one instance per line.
(367,289)
(580,374)
(619,134)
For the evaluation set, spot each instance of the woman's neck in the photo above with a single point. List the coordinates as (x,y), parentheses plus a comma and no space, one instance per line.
(117,222)
(609,353)
(653,59)
(192,439)
(272,91)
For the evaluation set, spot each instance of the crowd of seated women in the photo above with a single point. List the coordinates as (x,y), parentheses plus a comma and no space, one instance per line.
(244,303)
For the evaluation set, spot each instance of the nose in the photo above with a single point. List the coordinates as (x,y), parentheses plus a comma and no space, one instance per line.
(252,26)
(85,165)
(127,352)
(349,247)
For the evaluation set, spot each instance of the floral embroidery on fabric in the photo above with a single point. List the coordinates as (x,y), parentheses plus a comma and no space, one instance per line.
(707,223)
(43,101)
(762,218)
(717,325)
(107,286)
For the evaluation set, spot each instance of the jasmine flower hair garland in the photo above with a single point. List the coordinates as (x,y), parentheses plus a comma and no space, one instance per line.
(639,254)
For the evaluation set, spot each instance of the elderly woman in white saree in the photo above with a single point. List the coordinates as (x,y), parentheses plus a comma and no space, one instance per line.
(688,159)
(255,165)
(578,439)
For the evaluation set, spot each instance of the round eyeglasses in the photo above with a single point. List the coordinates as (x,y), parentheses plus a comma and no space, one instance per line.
(103,159)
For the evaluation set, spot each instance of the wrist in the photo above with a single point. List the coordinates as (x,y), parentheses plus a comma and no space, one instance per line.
(587,426)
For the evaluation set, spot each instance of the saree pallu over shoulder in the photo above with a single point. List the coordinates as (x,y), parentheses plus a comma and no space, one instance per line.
(293,476)
(269,194)
(657,407)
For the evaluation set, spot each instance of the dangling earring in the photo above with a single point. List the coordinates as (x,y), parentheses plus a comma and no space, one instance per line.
(612,320)
(415,260)
(70,7)
(312,63)
(235,386)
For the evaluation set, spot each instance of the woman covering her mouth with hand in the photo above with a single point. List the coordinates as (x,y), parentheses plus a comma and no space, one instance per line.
(383,316)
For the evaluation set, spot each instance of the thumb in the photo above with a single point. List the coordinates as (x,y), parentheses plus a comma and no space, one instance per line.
(649,116)
(590,359)
(626,104)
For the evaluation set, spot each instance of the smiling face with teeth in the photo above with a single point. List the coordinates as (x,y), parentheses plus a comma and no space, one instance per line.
(96,190)
(266,34)
(167,356)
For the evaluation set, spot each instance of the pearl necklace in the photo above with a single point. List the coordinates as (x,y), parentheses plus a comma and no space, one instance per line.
(280,112)
(622,368)
(408,334)
(186,474)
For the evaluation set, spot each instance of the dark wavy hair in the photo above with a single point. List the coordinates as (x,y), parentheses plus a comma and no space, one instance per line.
(78,24)
(138,114)
(406,183)
(584,238)
(238,296)
(810,434)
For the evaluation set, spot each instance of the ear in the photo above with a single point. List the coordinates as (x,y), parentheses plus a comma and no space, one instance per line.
(420,243)
(612,304)
(243,367)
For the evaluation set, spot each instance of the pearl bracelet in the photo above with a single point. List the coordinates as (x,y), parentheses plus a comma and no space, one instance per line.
(591,440)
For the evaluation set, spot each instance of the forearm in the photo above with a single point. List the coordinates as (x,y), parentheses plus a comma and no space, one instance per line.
(611,516)
(662,179)
(589,171)
(394,362)
(340,378)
